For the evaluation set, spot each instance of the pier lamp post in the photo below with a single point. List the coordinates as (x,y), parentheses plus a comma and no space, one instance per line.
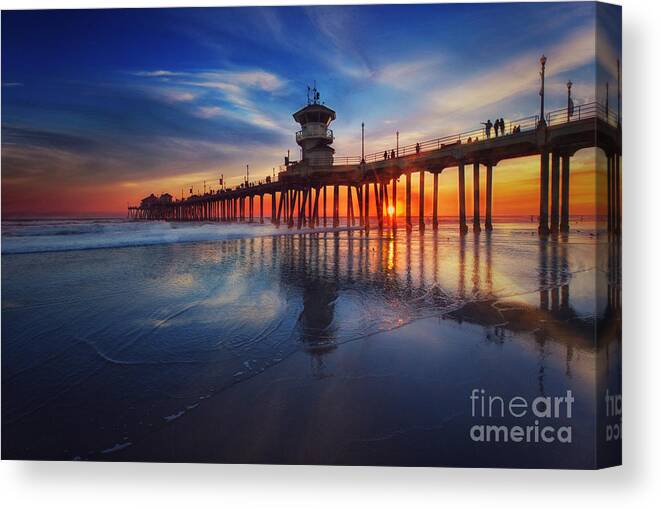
(542,61)
(619,93)
(397,143)
(362,143)
(569,103)
(607,102)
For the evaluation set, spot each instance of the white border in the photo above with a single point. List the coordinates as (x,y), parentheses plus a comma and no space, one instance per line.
(43,484)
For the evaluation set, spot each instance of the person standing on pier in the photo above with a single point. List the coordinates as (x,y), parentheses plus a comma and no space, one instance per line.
(487,128)
(392,154)
(385,155)
(417,148)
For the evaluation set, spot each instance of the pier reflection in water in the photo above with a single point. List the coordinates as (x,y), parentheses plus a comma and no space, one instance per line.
(396,328)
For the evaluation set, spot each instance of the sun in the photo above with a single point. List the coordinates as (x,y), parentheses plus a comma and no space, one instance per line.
(391,210)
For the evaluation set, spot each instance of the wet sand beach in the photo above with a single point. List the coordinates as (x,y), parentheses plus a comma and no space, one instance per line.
(304,348)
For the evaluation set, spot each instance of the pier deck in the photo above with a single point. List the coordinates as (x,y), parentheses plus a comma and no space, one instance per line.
(296,193)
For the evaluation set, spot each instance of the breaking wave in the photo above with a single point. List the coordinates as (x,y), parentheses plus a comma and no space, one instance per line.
(38,236)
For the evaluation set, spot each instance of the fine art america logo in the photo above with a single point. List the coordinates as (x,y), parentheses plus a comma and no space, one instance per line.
(518,419)
(613,416)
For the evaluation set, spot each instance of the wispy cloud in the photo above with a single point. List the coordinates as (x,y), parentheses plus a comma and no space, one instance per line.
(209,111)
(437,110)
(338,46)
(223,93)
(409,74)
(174,95)
(156,73)
(519,74)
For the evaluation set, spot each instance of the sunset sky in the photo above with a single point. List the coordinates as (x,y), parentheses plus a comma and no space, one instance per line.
(102,107)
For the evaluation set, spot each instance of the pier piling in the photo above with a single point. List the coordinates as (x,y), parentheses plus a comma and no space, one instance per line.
(555,192)
(435,203)
(421,201)
(463,227)
(488,224)
(476,197)
(544,192)
(394,202)
(409,225)
(564,214)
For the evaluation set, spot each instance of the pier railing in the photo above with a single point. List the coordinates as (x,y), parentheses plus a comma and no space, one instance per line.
(512,128)
(582,112)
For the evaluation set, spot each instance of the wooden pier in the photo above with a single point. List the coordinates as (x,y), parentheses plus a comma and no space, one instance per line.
(296,194)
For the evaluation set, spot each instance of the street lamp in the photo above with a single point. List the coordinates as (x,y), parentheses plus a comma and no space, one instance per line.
(362,143)
(542,61)
(619,93)
(570,107)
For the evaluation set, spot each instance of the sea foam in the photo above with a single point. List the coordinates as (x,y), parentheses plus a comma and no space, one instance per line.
(36,236)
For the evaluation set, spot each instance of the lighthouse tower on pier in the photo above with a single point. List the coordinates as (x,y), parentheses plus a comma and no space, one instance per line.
(315,138)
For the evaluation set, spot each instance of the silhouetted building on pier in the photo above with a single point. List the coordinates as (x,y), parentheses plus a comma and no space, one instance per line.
(315,138)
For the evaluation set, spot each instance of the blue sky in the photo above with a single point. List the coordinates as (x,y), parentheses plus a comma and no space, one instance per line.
(119,101)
